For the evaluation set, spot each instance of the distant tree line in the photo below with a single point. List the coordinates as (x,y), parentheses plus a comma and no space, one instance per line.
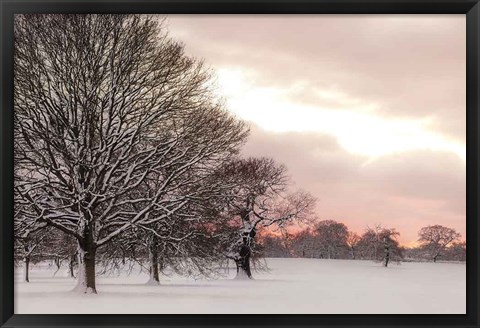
(329,239)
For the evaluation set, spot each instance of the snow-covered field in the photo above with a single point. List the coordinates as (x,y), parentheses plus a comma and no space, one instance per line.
(291,286)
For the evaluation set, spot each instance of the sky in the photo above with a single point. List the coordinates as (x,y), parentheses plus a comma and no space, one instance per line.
(366,111)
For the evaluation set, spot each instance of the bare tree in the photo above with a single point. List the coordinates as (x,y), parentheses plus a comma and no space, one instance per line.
(28,245)
(380,244)
(331,236)
(352,241)
(185,241)
(187,244)
(259,199)
(103,105)
(436,239)
(276,246)
(370,243)
(390,245)
(36,242)
(457,251)
(304,243)
(29,235)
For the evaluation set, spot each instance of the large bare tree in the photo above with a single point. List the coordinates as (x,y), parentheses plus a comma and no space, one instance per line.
(106,104)
(259,199)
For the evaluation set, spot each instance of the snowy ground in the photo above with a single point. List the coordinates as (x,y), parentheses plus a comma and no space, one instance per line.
(291,286)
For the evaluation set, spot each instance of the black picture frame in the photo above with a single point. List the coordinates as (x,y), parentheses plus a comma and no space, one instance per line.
(471,8)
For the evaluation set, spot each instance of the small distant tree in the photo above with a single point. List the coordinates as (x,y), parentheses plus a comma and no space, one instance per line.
(352,241)
(28,246)
(368,244)
(331,236)
(304,244)
(29,234)
(380,244)
(391,248)
(36,242)
(61,248)
(275,246)
(435,239)
(458,251)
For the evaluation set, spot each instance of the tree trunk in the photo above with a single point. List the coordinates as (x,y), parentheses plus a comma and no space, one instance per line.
(386,259)
(243,264)
(86,267)
(27,268)
(435,258)
(71,265)
(153,259)
(242,259)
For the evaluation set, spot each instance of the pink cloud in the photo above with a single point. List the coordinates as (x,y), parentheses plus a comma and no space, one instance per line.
(410,67)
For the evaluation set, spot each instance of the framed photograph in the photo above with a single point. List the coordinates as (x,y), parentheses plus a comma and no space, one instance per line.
(236,163)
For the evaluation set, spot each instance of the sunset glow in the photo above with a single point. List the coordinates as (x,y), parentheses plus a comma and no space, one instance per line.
(357,127)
